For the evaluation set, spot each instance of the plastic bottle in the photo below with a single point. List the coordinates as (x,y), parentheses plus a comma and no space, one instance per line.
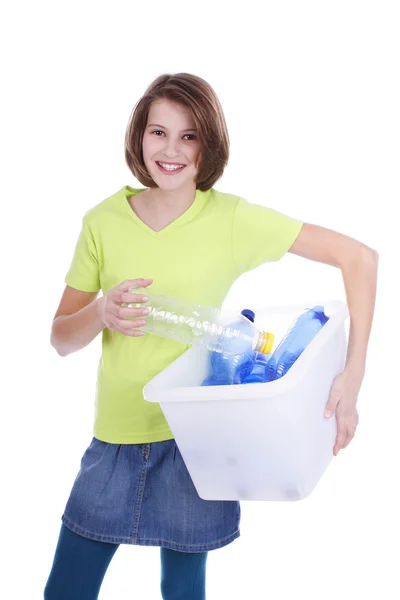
(228,369)
(297,338)
(190,323)
(258,373)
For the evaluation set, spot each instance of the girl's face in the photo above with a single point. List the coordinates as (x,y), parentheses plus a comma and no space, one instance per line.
(170,145)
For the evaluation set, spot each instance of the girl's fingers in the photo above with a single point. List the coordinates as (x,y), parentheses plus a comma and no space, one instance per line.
(349,437)
(126,298)
(131,313)
(135,283)
(126,325)
(340,438)
(130,331)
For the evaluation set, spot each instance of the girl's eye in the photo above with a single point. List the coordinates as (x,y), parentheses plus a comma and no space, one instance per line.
(188,135)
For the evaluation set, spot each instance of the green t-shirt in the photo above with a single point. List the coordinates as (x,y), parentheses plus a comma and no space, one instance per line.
(196,258)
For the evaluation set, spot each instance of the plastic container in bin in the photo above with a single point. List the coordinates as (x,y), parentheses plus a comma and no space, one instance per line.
(267,441)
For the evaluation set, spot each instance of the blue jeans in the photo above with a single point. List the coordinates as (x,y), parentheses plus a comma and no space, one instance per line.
(80,565)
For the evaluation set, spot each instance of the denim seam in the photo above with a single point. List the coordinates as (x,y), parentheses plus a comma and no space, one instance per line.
(142,483)
(137,540)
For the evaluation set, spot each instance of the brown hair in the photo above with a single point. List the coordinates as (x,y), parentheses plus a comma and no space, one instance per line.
(199,97)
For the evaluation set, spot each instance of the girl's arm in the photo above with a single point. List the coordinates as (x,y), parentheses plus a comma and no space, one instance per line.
(81,316)
(359,266)
(76,322)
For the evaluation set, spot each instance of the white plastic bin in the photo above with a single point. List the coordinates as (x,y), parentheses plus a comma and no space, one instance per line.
(267,441)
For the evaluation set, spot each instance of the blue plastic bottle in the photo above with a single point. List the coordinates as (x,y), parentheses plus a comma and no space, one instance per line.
(228,369)
(258,374)
(297,338)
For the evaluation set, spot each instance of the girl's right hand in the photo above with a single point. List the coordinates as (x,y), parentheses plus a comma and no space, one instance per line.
(117,318)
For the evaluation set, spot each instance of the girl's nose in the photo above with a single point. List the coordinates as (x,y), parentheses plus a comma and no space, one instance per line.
(171,148)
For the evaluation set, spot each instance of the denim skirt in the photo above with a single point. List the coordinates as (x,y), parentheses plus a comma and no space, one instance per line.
(143,494)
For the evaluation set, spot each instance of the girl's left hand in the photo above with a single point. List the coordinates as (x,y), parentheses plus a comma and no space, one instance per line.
(343,398)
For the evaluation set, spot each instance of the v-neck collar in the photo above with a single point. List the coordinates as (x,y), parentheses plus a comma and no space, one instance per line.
(192,211)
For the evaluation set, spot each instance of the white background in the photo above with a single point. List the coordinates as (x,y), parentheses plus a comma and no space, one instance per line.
(310,92)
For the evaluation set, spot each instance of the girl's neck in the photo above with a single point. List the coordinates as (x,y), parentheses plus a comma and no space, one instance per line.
(158,208)
(162,201)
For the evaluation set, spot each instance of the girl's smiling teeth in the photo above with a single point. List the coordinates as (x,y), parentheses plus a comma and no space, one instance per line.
(170,167)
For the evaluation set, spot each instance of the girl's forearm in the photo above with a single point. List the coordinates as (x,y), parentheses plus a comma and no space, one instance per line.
(70,333)
(360,280)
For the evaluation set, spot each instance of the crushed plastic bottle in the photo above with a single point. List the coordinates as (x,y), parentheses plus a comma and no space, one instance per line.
(258,373)
(294,342)
(190,323)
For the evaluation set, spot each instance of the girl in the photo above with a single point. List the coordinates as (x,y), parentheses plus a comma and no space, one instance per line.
(194,242)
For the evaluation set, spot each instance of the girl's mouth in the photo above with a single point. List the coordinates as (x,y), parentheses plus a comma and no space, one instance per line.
(170,168)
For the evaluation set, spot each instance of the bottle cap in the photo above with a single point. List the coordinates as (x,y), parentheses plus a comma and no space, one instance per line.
(249,314)
(267,342)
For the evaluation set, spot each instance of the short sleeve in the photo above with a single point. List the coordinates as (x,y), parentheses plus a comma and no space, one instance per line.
(260,234)
(83,273)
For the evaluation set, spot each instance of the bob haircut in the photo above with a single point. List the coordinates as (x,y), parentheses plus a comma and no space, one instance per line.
(199,97)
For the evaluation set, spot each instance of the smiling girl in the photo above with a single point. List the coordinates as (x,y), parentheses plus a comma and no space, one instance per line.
(185,239)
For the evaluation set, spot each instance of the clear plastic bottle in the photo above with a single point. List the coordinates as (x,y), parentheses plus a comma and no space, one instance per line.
(190,323)
(297,338)
(228,369)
